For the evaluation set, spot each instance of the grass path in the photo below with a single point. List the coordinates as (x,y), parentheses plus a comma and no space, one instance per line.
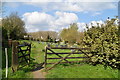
(38,55)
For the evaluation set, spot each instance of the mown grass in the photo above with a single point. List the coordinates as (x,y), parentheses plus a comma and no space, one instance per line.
(61,70)
(82,71)
(78,70)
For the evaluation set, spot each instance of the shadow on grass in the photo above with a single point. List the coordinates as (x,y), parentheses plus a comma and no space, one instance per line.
(33,66)
(38,67)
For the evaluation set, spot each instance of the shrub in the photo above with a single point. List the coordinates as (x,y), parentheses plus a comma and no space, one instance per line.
(105,42)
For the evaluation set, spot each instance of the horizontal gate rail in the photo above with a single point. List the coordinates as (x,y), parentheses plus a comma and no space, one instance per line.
(64,53)
(69,62)
(66,57)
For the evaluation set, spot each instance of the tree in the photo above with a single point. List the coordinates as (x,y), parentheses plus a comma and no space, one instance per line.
(70,34)
(14,26)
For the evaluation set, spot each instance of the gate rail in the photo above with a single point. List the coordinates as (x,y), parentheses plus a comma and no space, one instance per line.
(65,58)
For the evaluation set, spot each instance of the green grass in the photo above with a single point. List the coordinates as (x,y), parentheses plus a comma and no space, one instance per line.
(61,70)
(82,71)
(26,72)
(18,74)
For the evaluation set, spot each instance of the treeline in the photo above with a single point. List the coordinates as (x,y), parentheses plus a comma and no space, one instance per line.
(43,36)
(69,35)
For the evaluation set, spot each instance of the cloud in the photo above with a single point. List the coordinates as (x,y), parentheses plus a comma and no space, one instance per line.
(96,14)
(74,6)
(82,26)
(37,18)
(69,5)
(60,0)
(0,18)
(95,23)
(12,4)
(36,21)
(64,18)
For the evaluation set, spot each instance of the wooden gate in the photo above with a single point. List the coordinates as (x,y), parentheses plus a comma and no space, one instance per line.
(67,55)
(24,53)
(20,55)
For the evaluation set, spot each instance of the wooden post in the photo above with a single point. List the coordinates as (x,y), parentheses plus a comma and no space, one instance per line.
(14,56)
(45,58)
(6,62)
(10,42)
(29,51)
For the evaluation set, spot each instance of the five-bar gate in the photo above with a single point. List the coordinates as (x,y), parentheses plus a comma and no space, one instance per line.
(67,57)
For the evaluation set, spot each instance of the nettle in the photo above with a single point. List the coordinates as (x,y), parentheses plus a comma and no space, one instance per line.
(104,44)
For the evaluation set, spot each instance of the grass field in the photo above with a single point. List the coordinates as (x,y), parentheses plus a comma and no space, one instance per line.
(82,71)
(62,70)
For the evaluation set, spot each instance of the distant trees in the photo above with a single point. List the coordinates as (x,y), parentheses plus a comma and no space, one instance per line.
(13,27)
(44,35)
(71,34)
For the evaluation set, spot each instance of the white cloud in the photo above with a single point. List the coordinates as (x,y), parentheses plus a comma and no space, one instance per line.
(82,26)
(95,23)
(0,18)
(36,21)
(65,18)
(74,6)
(70,5)
(60,0)
(96,14)
(37,18)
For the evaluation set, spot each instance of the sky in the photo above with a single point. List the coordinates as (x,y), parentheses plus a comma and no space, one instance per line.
(54,16)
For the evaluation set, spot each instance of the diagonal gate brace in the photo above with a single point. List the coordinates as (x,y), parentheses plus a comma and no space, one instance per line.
(57,54)
(60,61)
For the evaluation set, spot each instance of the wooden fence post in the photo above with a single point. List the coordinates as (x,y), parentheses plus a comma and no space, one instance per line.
(45,58)
(29,51)
(6,53)
(14,56)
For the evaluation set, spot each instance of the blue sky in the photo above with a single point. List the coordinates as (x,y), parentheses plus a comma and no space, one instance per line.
(58,15)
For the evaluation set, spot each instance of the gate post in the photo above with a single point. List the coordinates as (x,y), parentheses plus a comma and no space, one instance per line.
(29,50)
(45,57)
(14,56)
